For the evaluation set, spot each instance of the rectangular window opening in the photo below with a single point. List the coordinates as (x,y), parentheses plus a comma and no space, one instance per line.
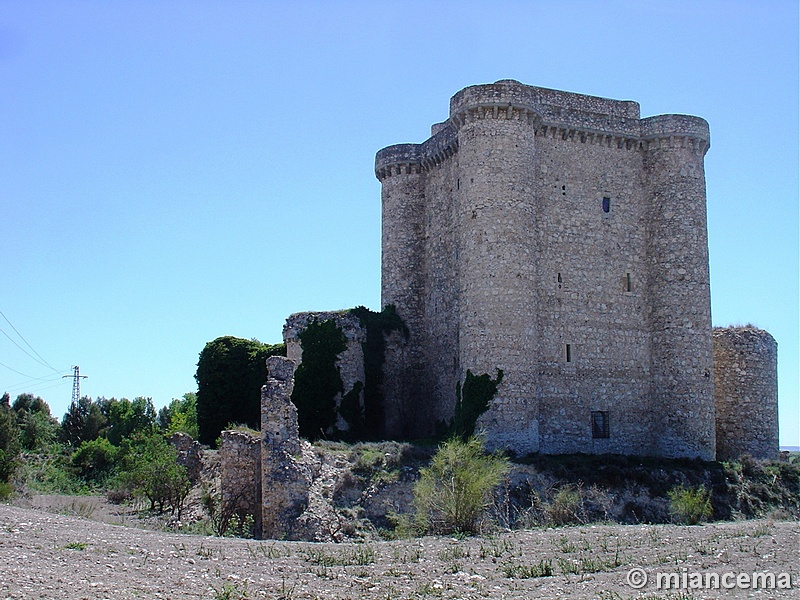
(600,424)
(568,352)
(606,204)
(628,284)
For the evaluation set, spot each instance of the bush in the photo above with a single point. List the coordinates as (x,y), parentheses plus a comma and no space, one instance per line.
(453,493)
(150,471)
(95,460)
(690,505)
(566,507)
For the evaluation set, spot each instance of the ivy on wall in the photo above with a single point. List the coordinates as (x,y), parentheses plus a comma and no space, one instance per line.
(378,325)
(472,400)
(317,380)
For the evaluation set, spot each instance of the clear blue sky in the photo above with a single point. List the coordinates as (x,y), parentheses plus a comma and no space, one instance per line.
(171,172)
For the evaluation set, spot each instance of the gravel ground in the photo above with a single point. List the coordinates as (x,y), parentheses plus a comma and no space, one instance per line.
(45,555)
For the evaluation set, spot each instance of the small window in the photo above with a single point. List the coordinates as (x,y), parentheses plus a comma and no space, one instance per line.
(600,424)
(628,284)
(606,204)
(568,352)
(559,278)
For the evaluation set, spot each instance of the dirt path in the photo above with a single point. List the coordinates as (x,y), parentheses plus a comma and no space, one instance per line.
(44,556)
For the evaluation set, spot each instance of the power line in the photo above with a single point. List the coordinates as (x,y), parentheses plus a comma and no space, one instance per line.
(41,360)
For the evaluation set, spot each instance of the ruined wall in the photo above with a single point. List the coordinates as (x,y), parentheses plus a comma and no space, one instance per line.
(745,392)
(350,362)
(562,239)
(285,474)
(240,463)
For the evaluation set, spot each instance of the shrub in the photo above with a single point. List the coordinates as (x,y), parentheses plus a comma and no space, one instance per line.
(690,505)
(454,491)
(566,507)
(150,470)
(94,460)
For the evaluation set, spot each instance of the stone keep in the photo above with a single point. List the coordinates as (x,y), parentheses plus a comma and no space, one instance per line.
(562,239)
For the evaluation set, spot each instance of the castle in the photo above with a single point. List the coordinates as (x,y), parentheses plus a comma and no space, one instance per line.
(557,243)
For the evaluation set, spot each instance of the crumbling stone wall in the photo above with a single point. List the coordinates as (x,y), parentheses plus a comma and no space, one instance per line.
(240,463)
(746,392)
(350,362)
(286,471)
(190,454)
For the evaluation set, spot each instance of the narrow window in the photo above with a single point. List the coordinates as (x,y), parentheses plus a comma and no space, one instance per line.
(600,424)
(458,184)
(568,352)
(559,278)
(606,204)
(628,286)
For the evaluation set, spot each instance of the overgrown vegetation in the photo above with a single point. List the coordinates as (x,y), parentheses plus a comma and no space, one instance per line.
(317,380)
(472,400)
(230,373)
(378,325)
(690,505)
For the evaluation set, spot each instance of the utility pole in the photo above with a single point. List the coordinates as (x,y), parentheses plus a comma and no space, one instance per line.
(76,383)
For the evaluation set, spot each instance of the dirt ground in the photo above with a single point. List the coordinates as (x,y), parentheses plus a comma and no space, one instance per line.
(44,555)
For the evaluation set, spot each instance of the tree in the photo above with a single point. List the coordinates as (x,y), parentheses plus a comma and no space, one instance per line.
(9,442)
(94,460)
(127,417)
(180,415)
(84,421)
(38,428)
(151,471)
(230,374)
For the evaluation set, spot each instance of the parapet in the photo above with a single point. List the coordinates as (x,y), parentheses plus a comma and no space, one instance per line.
(655,131)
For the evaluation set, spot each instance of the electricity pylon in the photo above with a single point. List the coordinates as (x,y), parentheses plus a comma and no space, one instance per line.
(76,383)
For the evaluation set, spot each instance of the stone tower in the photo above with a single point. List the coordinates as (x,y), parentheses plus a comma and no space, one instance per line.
(561,239)
(746,392)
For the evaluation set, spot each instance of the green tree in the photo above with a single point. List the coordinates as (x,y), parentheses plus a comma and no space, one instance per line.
(230,374)
(84,421)
(38,429)
(180,415)
(128,417)
(150,470)
(95,460)
(454,491)
(9,442)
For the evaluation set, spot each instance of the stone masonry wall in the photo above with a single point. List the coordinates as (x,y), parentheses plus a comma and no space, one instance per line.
(746,392)
(350,362)
(286,475)
(561,238)
(240,463)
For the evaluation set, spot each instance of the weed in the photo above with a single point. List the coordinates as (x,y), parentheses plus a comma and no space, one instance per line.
(496,548)
(543,569)
(230,591)
(76,546)
(361,554)
(690,505)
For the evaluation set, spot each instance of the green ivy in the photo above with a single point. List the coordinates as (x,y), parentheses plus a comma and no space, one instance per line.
(317,380)
(378,325)
(472,400)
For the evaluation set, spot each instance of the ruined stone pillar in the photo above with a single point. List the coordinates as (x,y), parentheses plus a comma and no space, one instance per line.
(285,479)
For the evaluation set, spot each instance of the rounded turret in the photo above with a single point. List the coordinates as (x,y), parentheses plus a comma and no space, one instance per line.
(678,280)
(746,392)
